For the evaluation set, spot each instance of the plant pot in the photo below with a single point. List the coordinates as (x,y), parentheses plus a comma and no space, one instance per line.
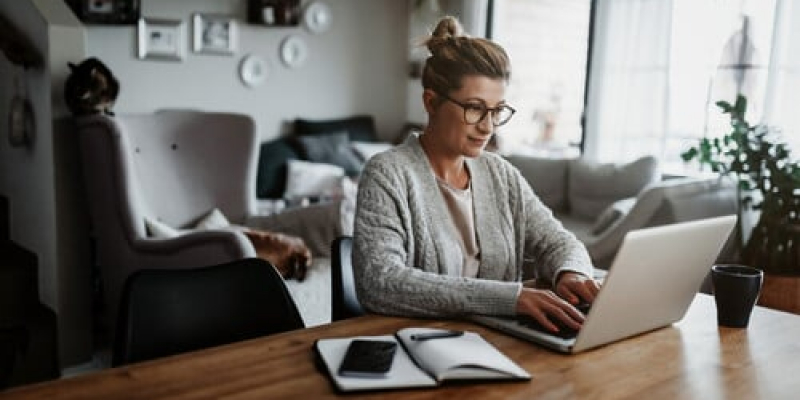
(774,246)
(781,292)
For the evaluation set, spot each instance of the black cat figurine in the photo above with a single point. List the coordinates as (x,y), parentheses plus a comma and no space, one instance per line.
(90,88)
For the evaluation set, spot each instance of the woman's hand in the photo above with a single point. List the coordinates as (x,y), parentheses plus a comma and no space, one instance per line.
(576,288)
(541,304)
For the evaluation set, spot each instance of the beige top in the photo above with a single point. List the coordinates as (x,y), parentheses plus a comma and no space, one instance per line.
(459,203)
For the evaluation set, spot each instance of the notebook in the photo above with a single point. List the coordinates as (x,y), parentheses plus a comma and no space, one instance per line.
(422,363)
(651,283)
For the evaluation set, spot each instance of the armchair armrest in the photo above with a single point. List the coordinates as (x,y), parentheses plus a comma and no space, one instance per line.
(196,248)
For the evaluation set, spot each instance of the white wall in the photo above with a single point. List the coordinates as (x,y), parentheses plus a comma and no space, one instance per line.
(26,174)
(358,66)
(39,180)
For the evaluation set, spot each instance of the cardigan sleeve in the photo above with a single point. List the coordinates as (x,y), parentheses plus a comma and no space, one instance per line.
(387,236)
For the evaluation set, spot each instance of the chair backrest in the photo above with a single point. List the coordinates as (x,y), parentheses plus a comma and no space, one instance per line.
(166,312)
(189,162)
(173,165)
(344,301)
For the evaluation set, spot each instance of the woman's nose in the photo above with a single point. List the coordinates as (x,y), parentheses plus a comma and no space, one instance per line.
(485,125)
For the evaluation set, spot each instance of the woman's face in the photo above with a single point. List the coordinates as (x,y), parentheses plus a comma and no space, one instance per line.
(447,126)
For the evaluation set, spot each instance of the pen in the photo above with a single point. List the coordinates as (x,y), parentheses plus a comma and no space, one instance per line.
(435,335)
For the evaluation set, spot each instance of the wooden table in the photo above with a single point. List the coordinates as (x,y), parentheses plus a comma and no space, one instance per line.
(693,359)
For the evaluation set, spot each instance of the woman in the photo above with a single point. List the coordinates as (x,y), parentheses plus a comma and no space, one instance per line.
(443,228)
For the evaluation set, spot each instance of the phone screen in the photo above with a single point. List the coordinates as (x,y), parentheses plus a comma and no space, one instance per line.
(368,358)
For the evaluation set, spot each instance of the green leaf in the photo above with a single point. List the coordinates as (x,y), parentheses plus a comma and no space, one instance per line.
(689,154)
(745,185)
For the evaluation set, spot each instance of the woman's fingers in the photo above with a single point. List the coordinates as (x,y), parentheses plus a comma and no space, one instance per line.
(575,288)
(546,307)
(542,319)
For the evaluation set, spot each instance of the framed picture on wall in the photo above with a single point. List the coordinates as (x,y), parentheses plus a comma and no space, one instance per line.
(214,34)
(160,39)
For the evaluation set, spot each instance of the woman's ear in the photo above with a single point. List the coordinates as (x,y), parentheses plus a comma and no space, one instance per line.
(430,100)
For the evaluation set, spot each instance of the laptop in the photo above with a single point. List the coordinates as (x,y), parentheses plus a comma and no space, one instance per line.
(651,283)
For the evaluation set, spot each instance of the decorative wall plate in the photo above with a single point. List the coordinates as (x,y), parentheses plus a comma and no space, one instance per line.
(317,17)
(253,70)
(294,51)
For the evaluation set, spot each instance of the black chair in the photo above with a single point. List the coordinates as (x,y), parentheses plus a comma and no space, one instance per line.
(344,301)
(166,312)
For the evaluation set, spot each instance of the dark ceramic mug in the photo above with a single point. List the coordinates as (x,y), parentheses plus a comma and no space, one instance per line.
(736,289)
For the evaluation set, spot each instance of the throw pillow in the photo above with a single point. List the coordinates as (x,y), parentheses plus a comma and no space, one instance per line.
(308,179)
(612,214)
(160,230)
(365,150)
(333,149)
(594,186)
(359,128)
(213,220)
(272,160)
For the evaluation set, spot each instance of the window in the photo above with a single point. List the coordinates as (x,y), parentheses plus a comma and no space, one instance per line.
(739,49)
(547,41)
(661,65)
(783,88)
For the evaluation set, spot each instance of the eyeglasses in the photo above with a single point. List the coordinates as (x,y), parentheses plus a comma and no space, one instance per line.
(474,113)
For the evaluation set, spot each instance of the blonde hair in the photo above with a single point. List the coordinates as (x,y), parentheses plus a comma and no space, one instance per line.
(455,55)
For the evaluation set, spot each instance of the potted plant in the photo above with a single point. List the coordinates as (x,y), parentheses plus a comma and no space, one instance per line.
(768,185)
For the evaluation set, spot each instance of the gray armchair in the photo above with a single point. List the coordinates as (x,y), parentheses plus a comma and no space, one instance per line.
(174,167)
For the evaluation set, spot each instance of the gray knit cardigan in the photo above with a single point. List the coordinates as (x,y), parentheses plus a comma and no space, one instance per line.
(406,259)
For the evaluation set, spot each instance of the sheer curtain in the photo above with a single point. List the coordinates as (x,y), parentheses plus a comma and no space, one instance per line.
(659,66)
(628,91)
(783,86)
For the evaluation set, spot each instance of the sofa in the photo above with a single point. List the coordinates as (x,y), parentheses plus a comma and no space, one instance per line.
(601,202)
(306,186)
(306,181)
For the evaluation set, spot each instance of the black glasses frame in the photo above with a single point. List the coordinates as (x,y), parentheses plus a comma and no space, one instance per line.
(486,111)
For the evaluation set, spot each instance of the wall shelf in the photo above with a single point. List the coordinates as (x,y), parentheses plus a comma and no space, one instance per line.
(17,47)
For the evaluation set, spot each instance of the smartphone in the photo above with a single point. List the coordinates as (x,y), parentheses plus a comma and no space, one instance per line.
(368,358)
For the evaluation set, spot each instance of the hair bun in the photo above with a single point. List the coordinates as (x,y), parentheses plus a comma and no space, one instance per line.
(448,27)
(454,54)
